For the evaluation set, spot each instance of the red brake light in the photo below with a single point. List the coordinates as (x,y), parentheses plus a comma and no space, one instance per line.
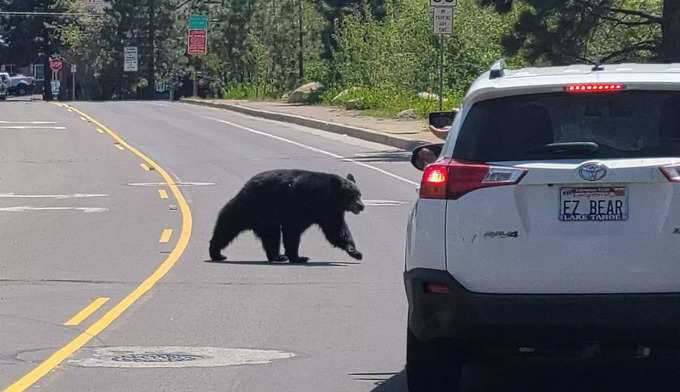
(451,179)
(594,87)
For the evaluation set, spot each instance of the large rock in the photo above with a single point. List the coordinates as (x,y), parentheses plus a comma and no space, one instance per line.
(408,114)
(354,104)
(430,97)
(302,93)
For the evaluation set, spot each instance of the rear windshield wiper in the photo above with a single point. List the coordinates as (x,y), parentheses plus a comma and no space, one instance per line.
(566,148)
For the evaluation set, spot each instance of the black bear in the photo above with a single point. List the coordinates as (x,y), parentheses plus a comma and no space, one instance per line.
(288,202)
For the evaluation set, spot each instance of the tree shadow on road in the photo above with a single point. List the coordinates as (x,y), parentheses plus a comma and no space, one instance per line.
(286,264)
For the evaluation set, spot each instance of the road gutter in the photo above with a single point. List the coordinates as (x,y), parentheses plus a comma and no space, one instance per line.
(359,133)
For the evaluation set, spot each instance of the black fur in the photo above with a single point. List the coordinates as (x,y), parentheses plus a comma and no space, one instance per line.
(288,202)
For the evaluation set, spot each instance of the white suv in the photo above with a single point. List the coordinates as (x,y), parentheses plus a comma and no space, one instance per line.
(550,224)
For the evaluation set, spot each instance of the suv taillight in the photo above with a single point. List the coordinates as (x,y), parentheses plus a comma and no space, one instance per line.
(451,179)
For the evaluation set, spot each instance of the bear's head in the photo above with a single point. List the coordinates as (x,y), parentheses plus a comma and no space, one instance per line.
(352,195)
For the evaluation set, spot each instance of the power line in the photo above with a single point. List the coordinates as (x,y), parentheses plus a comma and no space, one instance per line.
(57,14)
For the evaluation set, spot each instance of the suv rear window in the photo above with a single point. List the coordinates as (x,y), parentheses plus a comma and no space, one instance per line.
(627,124)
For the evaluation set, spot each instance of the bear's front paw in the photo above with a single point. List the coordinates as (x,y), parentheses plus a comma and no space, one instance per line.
(355,253)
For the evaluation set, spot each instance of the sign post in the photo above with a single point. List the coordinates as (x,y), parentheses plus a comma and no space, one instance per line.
(73,78)
(130,62)
(442,25)
(197,41)
(55,65)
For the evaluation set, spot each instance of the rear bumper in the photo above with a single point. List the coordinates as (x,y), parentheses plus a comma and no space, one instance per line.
(538,319)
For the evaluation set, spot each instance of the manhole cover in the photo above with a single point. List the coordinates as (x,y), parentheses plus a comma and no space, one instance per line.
(174,357)
(157,357)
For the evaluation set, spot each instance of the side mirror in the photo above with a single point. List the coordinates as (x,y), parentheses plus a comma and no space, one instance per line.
(426,154)
(442,119)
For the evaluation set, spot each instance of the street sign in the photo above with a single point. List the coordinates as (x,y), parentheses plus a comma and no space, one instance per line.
(130,59)
(444,3)
(198,42)
(198,22)
(56,64)
(443,21)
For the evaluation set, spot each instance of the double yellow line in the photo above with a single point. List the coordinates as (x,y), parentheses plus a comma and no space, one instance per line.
(99,325)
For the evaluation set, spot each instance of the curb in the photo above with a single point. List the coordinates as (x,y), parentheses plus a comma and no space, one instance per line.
(360,133)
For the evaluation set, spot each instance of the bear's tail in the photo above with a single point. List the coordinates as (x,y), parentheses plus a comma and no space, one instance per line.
(229,224)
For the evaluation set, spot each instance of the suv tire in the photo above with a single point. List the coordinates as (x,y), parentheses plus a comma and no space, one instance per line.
(432,366)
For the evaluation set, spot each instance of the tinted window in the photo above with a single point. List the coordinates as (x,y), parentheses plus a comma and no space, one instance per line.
(628,124)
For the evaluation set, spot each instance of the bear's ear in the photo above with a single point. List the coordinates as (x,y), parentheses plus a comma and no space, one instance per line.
(350,177)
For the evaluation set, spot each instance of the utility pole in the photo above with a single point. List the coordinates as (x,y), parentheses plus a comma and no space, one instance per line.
(301,43)
(152,48)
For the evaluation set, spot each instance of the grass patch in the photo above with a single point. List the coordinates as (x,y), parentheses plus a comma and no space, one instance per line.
(252,91)
(386,102)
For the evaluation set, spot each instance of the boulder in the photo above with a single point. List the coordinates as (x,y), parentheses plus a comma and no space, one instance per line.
(354,104)
(408,114)
(430,97)
(302,93)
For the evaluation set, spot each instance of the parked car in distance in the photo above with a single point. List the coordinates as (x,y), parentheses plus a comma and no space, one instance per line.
(21,85)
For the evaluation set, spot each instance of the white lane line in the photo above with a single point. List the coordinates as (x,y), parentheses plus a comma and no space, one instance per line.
(86,210)
(27,122)
(30,127)
(283,139)
(71,196)
(383,202)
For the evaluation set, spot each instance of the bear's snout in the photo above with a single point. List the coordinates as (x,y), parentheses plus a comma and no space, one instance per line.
(356,207)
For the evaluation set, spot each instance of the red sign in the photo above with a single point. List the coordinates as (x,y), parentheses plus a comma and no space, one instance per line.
(198,42)
(56,64)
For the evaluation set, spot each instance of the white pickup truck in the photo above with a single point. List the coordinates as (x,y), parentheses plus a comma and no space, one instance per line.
(18,84)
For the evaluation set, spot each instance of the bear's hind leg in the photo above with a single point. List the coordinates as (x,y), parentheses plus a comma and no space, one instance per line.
(271,242)
(291,243)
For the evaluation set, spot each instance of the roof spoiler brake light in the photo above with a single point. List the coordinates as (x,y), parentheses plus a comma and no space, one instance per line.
(594,87)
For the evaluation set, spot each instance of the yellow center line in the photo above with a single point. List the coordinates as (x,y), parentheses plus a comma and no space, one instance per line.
(85,313)
(58,357)
(99,130)
(145,167)
(118,146)
(163,193)
(165,236)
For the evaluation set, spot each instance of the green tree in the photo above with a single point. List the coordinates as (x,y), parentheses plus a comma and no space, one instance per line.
(31,38)
(558,31)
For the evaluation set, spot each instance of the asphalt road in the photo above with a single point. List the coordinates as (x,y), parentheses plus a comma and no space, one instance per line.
(81,219)
(343,320)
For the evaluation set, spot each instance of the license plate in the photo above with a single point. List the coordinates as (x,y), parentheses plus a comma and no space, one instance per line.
(602,204)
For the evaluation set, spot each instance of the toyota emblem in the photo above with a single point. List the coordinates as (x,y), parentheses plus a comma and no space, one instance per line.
(592,171)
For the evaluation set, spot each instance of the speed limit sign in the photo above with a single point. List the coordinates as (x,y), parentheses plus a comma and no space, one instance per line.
(444,3)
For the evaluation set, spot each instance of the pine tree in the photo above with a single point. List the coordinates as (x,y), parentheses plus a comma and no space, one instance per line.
(560,31)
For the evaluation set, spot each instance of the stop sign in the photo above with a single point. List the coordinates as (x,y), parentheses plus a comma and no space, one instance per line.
(56,64)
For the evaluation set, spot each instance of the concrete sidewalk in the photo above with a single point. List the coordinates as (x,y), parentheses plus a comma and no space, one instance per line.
(404,134)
